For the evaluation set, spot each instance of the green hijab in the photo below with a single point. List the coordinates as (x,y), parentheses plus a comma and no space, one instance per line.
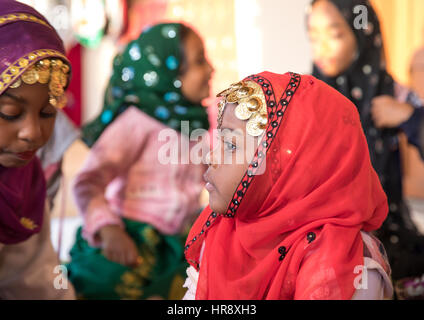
(146,76)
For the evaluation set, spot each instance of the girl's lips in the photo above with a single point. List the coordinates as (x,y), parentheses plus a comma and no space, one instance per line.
(209,186)
(322,64)
(26,155)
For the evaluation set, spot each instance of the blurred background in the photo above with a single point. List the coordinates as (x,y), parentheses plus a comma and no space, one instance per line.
(241,37)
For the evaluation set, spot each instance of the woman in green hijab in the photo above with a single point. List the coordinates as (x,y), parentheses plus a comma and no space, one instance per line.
(149,75)
(135,208)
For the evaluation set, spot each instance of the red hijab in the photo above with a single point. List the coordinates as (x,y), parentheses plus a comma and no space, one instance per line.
(294,231)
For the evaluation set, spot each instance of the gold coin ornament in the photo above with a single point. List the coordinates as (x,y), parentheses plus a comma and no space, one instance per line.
(53,72)
(244,92)
(63,79)
(242,112)
(30,76)
(221,107)
(16,84)
(256,124)
(251,105)
(44,76)
(253,129)
(236,86)
(225,92)
(232,97)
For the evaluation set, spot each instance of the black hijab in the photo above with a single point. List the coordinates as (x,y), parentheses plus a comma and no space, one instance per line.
(364,80)
(367,77)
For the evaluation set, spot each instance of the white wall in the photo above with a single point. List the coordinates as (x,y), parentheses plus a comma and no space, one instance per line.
(97,64)
(271,35)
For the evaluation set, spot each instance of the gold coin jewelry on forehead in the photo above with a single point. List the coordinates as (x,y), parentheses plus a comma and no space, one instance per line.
(225,92)
(256,124)
(63,79)
(242,112)
(244,92)
(236,86)
(16,84)
(221,107)
(30,76)
(44,76)
(251,105)
(232,97)
(51,71)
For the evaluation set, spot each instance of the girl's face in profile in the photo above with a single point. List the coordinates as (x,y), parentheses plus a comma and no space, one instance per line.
(229,160)
(333,43)
(197,71)
(26,123)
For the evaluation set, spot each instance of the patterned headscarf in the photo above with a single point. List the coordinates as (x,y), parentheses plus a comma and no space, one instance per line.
(146,75)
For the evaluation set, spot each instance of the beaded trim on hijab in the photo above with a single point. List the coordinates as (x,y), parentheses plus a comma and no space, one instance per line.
(251,105)
(275,119)
(48,71)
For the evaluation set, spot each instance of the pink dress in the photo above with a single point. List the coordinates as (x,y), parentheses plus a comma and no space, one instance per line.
(125,176)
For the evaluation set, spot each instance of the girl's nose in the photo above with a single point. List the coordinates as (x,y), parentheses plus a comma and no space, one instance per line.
(31,131)
(211,160)
(211,68)
(321,49)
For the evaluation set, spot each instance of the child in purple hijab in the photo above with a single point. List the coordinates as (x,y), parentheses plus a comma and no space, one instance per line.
(34,73)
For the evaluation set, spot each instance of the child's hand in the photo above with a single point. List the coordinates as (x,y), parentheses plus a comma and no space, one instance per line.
(389,113)
(118,246)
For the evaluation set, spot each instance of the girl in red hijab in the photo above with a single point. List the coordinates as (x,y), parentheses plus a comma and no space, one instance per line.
(292,220)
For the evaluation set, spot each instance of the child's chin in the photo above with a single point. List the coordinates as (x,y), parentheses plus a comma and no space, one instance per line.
(216,207)
(8,163)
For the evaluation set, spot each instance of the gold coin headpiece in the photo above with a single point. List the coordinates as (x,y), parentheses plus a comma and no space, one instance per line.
(50,71)
(251,105)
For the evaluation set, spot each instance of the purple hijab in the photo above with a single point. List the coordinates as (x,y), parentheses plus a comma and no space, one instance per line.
(25,38)
(22,198)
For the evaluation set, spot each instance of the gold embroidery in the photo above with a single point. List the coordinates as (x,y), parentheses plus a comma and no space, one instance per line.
(133,281)
(176,290)
(151,236)
(21,17)
(28,223)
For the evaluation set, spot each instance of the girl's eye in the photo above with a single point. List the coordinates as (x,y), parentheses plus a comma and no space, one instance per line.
(229,146)
(8,117)
(47,114)
(201,60)
(337,35)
